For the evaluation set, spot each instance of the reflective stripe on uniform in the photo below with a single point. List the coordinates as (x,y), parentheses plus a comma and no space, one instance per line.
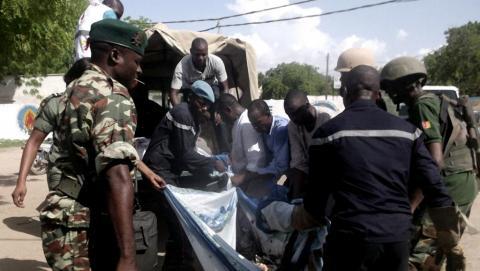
(367,133)
(179,125)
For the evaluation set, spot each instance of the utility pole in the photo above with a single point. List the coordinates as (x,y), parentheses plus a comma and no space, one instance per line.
(218,27)
(326,74)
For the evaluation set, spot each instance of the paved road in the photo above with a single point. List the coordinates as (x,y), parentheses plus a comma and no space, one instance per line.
(20,245)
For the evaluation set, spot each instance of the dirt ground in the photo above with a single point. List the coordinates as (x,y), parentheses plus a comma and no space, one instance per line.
(20,245)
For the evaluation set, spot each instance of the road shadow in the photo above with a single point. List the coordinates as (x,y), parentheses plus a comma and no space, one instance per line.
(3,200)
(22,265)
(23,224)
(8,180)
(11,179)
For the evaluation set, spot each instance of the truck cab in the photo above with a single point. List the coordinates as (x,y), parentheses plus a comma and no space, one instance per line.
(450,91)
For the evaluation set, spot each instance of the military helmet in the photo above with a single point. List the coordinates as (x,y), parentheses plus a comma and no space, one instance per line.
(402,67)
(353,57)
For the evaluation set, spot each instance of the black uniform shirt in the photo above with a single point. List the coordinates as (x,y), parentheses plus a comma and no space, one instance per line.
(364,159)
(172,148)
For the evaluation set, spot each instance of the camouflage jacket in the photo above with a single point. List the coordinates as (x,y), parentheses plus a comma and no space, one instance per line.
(48,120)
(100,121)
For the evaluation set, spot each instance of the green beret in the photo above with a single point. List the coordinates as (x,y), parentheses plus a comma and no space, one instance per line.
(120,33)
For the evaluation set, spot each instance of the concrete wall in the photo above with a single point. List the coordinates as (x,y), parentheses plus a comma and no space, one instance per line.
(18,110)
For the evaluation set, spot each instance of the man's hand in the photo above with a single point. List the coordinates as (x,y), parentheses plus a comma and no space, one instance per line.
(449,225)
(237,179)
(447,239)
(157,181)
(18,194)
(219,166)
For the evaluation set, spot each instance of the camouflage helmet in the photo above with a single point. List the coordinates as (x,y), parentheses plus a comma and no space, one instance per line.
(353,57)
(402,67)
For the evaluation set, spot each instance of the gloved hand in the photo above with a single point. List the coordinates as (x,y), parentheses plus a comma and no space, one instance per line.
(449,224)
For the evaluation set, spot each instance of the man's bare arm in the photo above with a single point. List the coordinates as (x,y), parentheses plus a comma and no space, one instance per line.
(157,181)
(173,95)
(435,149)
(29,152)
(225,86)
(416,197)
(119,196)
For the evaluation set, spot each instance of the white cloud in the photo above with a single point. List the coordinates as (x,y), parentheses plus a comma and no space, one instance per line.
(425,51)
(302,40)
(377,46)
(402,34)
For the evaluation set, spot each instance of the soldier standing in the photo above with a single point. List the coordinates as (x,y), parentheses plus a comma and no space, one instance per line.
(446,139)
(64,240)
(98,127)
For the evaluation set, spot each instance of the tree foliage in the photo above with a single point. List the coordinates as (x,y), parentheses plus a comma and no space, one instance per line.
(278,81)
(37,35)
(458,62)
(142,22)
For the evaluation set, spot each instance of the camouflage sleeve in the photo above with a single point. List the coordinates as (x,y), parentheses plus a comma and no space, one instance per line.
(113,130)
(45,119)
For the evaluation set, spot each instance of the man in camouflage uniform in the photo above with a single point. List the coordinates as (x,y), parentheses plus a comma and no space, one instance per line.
(446,140)
(97,132)
(64,235)
(64,222)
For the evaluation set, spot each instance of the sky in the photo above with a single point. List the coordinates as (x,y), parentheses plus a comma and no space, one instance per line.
(412,28)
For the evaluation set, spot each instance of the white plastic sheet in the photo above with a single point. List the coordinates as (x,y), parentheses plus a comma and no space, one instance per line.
(218,211)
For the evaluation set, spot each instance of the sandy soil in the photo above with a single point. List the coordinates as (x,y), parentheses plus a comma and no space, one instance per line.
(20,245)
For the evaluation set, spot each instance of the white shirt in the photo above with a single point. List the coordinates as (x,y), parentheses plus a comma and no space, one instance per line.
(186,73)
(248,150)
(95,12)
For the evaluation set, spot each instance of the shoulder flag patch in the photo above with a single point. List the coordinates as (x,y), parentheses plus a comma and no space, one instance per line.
(426,124)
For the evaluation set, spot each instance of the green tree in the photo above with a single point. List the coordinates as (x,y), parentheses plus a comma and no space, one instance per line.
(37,36)
(142,22)
(457,63)
(287,76)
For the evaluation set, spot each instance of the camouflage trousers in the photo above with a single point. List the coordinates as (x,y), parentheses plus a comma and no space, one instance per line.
(424,252)
(64,232)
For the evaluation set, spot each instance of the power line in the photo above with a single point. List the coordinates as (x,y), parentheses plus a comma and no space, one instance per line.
(309,16)
(236,15)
